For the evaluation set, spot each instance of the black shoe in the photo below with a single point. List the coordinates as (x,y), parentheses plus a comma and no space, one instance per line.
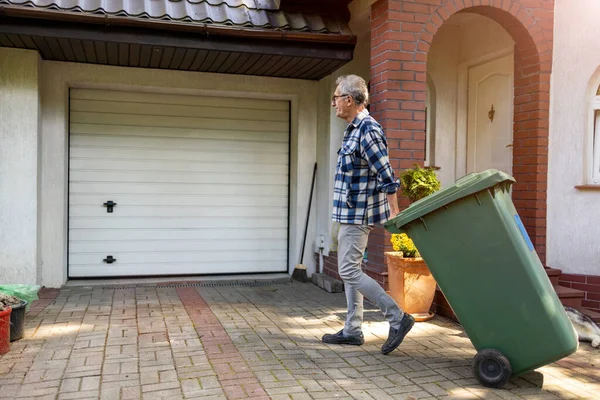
(339,338)
(396,336)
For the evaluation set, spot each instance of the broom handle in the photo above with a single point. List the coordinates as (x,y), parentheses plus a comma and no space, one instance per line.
(312,186)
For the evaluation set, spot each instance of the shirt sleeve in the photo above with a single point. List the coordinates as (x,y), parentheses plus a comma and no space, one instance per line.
(373,148)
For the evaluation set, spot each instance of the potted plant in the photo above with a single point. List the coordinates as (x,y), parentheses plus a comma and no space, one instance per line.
(411,284)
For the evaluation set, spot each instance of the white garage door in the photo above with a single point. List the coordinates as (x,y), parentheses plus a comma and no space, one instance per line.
(200,184)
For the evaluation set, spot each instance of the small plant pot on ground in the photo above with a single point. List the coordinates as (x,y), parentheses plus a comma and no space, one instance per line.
(17,321)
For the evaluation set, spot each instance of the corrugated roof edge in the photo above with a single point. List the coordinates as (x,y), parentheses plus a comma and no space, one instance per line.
(172,25)
(204,11)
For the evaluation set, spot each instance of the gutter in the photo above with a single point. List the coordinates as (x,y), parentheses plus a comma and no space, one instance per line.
(202,28)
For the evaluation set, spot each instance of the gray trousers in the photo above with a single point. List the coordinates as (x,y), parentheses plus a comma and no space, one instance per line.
(352,242)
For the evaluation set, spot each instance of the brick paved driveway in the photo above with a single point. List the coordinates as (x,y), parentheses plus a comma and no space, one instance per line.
(241,341)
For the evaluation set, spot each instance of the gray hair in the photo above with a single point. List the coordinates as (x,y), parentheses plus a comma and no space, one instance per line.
(354,86)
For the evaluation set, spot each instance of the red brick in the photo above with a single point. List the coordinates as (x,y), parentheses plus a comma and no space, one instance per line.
(406,164)
(451,7)
(587,287)
(459,4)
(594,280)
(592,296)
(421,57)
(426,37)
(412,125)
(408,105)
(573,278)
(407,46)
(416,8)
(400,55)
(411,27)
(414,86)
(424,47)
(402,115)
(398,95)
(420,67)
(594,305)
(401,16)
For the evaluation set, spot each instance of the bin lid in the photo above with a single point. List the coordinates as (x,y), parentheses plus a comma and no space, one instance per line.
(463,187)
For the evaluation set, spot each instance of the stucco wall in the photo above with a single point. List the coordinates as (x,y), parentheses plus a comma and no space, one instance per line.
(19,135)
(573,218)
(58,77)
(442,68)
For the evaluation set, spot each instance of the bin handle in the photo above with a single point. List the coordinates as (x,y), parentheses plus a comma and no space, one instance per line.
(466,179)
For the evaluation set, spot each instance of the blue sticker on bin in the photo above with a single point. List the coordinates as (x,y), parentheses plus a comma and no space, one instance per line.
(523,232)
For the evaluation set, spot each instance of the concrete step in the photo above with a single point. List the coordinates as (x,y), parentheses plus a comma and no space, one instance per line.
(569,297)
(554,274)
(591,313)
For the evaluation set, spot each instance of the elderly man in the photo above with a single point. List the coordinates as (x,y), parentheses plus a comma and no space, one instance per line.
(364,195)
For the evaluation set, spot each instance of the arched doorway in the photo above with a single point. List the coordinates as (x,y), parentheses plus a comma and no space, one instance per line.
(402,36)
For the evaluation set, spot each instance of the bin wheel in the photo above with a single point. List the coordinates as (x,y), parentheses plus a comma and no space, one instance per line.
(491,368)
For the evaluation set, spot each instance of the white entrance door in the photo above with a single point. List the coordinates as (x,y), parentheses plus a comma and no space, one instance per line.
(200,184)
(490,116)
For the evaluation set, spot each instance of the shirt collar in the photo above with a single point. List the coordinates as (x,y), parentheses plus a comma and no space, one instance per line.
(357,120)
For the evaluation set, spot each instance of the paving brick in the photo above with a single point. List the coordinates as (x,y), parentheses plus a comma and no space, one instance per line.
(70,385)
(179,343)
(83,395)
(89,383)
(174,394)
(160,386)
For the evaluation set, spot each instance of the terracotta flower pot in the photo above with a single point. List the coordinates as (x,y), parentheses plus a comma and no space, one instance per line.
(411,285)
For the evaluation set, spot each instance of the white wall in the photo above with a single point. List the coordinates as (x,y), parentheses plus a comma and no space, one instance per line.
(19,166)
(442,68)
(57,77)
(573,225)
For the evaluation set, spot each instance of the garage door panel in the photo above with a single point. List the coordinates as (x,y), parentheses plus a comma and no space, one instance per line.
(171,245)
(126,211)
(201,187)
(230,235)
(112,189)
(177,133)
(172,110)
(101,142)
(172,178)
(175,166)
(177,200)
(180,122)
(174,99)
(175,257)
(181,155)
(176,223)
(144,269)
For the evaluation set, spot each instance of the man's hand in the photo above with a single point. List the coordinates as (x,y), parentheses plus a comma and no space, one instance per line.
(393,201)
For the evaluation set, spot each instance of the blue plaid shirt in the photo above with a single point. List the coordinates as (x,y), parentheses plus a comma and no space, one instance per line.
(363,176)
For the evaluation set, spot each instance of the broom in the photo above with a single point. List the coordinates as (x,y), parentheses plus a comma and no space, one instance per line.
(299,273)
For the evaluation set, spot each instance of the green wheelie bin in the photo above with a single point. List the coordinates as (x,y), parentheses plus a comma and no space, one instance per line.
(476,247)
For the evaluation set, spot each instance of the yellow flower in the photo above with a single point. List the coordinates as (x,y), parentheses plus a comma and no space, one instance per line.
(401,242)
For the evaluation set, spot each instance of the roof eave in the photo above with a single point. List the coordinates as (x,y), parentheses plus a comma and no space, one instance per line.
(207,29)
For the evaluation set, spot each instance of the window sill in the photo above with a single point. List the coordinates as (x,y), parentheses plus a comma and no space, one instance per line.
(588,186)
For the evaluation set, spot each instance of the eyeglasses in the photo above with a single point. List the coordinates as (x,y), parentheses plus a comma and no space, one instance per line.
(335,97)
